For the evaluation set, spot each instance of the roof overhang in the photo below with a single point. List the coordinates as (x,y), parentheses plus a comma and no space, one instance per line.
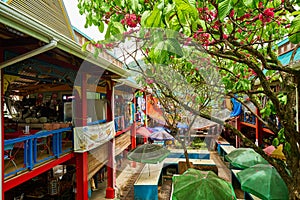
(28,25)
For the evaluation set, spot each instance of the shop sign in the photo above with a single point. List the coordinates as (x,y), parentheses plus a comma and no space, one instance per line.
(92,136)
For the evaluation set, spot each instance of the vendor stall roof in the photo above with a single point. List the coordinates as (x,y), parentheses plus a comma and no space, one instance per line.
(25,24)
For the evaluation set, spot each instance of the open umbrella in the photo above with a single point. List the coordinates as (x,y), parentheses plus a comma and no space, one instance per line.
(161,134)
(148,153)
(195,184)
(244,157)
(143,131)
(263,181)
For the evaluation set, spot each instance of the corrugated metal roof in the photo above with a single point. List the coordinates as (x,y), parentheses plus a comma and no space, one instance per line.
(49,12)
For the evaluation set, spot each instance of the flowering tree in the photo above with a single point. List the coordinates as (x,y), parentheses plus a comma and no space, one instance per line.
(241,37)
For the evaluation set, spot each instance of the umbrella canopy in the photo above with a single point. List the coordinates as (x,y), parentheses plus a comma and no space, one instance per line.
(161,135)
(143,131)
(244,157)
(263,181)
(268,150)
(195,184)
(148,153)
(182,125)
(277,153)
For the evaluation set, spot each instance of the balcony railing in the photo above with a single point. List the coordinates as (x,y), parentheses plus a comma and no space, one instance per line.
(32,150)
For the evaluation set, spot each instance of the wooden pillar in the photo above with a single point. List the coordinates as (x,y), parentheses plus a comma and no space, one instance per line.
(111,172)
(81,158)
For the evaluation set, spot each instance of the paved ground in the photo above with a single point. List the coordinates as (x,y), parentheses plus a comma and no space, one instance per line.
(127,175)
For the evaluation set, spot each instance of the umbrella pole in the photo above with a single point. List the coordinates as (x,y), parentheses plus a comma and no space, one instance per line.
(149,168)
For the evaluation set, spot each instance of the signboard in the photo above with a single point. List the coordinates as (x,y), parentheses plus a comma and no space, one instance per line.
(90,137)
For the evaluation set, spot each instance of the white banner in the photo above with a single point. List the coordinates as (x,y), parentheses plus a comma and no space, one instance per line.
(89,137)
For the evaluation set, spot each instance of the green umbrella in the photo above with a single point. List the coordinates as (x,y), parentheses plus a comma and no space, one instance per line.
(148,153)
(244,157)
(264,182)
(195,184)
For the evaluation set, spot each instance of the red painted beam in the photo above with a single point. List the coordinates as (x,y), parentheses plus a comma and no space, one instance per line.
(123,131)
(11,183)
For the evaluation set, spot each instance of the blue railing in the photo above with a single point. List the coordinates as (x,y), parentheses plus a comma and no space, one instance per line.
(52,142)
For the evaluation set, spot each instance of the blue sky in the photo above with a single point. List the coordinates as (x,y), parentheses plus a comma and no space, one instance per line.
(78,20)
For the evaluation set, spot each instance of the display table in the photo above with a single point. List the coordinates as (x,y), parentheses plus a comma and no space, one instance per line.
(221,142)
(193,154)
(226,150)
(146,186)
(200,162)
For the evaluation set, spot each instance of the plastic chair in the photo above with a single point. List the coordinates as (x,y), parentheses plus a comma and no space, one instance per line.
(8,154)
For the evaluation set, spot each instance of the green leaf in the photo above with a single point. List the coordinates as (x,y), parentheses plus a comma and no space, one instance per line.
(276,3)
(154,19)
(248,3)
(224,8)
(295,23)
(294,37)
(287,147)
(134,5)
(101,27)
(281,134)
(144,17)
(275,142)
(83,48)
(107,34)
(186,8)
(202,22)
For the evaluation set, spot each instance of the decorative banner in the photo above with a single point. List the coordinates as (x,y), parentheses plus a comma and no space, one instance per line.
(90,137)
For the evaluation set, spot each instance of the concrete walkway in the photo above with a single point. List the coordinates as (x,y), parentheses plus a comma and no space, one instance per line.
(126,176)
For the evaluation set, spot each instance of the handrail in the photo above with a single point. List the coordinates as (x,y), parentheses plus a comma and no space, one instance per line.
(30,145)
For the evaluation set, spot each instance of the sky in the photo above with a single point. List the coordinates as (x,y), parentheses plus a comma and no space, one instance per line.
(78,20)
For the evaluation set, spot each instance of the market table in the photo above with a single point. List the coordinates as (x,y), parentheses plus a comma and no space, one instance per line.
(221,142)
(193,153)
(235,181)
(201,164)
(226,150)
(146,186)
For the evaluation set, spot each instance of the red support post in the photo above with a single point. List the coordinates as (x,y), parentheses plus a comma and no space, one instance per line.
(133,129)
(111,172)
(81,158)
(2,126)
